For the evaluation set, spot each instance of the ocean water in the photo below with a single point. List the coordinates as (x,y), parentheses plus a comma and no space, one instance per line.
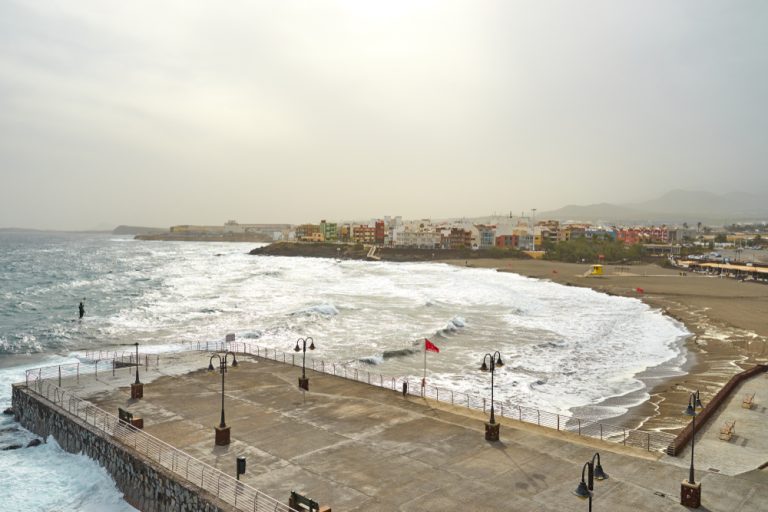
(564,347)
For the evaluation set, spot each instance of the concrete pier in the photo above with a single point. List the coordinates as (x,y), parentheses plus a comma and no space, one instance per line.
(356,447)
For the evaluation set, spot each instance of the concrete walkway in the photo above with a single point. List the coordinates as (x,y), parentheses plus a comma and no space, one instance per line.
(359,448)
(748,448)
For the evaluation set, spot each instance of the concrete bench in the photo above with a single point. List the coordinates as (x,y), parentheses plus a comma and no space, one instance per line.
(748,401)
(727,431)
(130,418)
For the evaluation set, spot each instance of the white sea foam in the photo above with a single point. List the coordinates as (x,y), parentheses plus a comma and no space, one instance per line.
(46,478)
(565,347)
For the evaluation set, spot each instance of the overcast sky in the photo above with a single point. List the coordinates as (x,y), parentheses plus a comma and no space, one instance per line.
(174,112)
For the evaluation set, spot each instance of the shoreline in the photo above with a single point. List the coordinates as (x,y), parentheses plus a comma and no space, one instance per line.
(724,317)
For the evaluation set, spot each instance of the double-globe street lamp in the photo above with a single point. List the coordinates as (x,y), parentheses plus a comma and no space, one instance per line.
(137,388)
(594,472)
(492,428)
(690,491)
(222,431)
(303,380)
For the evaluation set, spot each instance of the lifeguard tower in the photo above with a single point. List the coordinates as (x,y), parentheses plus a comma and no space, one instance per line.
(596,270)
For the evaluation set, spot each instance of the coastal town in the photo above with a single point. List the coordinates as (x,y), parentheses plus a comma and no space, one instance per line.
(523,233)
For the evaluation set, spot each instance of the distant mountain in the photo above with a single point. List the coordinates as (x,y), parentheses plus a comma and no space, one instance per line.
(676,206)
(137,230)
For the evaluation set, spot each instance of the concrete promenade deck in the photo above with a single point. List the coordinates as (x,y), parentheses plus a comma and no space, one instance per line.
(748,448)
(356,447)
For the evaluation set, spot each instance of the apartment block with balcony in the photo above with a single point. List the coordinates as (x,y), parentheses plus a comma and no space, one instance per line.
(363,234)
(329,231)
(308,233)
(487,235)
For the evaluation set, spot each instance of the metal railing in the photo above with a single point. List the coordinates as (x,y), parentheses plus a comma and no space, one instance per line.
(651,441)
(239,495)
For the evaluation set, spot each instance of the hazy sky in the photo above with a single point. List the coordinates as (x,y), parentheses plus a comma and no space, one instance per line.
(173,112)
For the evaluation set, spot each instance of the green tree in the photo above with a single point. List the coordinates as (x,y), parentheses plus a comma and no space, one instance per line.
(720,238)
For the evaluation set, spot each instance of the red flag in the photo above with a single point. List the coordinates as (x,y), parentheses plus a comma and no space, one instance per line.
(639,290)
(428,345)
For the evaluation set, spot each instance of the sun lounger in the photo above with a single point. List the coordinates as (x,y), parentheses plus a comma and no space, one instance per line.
(728,429)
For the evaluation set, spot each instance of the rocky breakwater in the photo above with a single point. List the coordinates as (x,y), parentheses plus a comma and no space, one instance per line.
(145,485)
(360,252)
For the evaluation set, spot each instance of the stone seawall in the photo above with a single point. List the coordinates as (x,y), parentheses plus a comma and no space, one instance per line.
(145,485)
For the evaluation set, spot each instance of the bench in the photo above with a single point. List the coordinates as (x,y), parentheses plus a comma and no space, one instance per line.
(728,429)
(748,401)
(128,417)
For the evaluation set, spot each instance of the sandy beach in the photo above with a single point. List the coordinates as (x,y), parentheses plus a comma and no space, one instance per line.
(727,319)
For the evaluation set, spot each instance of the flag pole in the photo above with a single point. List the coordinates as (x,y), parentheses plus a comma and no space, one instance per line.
(424,380)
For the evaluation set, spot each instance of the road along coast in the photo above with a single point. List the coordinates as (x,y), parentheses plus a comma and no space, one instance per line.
(725,316)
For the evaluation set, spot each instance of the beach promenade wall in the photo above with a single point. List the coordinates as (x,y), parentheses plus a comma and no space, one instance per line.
(145,485)
(684,437)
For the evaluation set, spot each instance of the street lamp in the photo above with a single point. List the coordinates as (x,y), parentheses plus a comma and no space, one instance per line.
(303,380)
(690,491)
(222,431)
(137,388)
(594,472)
(492,428)
(137,363)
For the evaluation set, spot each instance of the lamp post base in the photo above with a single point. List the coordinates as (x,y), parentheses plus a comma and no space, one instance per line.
(222,436)
(304,383)
(690,494)
(137,390)
(492,431)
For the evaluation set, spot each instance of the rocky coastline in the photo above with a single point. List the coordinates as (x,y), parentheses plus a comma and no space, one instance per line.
(401,254)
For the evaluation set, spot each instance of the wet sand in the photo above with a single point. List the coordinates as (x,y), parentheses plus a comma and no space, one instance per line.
(728,320)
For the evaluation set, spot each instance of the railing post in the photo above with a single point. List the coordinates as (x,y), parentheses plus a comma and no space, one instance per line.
(483,404)
(558,423)
(59,375)
(579,420)
(601,431)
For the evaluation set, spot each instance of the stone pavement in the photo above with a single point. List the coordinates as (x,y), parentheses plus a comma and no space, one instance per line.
(748,448)
(356,447)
